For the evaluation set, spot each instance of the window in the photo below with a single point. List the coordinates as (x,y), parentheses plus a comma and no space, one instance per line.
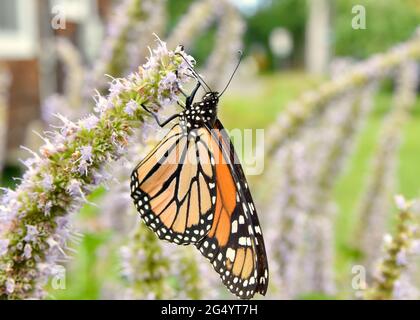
(18,29)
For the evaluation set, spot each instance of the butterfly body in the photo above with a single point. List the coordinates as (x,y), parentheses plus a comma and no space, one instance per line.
(191,190)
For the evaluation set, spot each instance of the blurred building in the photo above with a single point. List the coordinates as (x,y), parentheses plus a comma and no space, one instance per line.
(27,28)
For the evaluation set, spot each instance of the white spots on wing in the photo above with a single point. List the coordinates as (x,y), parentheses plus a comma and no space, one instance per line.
(230,254)
(250,230)
(234,226)
(241,219)
(248,241)
(244,208)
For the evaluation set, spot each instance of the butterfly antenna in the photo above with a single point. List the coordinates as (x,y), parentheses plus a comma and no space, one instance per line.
(233,73)
(191,68)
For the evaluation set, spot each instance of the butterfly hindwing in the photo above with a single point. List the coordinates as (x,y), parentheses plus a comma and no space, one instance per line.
(234,244)
(174,186)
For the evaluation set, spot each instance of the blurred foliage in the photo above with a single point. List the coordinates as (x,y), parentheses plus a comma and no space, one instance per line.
(204,43)
(387,22)
(289,14)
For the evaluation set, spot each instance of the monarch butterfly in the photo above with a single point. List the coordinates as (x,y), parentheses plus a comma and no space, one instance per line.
(191,189)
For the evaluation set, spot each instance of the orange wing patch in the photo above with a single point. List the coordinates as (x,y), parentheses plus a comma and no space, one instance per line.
(225,200)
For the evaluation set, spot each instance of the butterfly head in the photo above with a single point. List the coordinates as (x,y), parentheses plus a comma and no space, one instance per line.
(201,113)
(211,99)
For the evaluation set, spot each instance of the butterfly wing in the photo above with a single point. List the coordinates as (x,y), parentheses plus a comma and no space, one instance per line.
(234,244)
(173,188)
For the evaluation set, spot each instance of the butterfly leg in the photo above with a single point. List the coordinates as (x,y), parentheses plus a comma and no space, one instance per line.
(182,105)
(190,98)
(161,124)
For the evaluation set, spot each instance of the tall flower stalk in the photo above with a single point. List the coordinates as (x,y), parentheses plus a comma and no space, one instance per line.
(286,216)
(113,58)
(375,203)
(145,266)
(199,17)
(227,44)
(312,163)
(299,113)
(397,248)
(69,165)
(141,34)
(70,103)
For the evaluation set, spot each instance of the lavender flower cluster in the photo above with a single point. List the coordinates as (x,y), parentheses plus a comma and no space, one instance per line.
(34,217)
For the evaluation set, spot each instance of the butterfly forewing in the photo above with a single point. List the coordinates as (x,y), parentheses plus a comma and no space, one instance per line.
(174,186)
